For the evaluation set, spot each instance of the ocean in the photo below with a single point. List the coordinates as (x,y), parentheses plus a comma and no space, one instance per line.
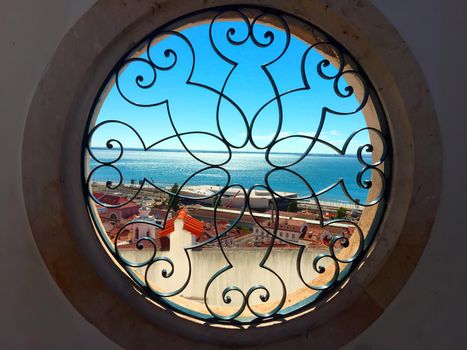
(166,167)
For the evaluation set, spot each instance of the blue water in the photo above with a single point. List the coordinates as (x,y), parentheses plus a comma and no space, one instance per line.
(164,168)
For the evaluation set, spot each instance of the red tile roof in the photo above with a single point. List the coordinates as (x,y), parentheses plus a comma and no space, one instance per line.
(195,227)
(286,224)
(113,200)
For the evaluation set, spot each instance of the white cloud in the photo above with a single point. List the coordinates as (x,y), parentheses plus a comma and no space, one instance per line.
(269,137)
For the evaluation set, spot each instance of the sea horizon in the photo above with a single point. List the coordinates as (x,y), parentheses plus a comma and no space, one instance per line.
(166,167)
(176,150)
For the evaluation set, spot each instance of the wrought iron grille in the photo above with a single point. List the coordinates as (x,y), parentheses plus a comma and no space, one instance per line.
(135,79)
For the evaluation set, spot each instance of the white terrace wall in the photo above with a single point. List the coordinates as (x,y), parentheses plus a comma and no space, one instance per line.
(429,313)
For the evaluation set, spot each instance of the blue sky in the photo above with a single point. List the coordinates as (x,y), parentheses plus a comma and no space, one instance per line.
(193,108)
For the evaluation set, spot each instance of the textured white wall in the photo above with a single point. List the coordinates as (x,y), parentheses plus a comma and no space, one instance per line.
(427,314)
(33,312)
(430,312)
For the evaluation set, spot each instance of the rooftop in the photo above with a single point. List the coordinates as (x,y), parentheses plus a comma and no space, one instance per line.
(195,227)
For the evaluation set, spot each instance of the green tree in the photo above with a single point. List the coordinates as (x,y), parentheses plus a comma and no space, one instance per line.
(176,200)
(292,207)
(341,213)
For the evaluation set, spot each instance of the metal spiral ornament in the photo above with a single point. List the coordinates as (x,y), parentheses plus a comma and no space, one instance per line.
(136,78)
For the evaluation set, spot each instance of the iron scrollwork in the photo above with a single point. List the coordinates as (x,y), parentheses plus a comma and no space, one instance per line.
(246,26)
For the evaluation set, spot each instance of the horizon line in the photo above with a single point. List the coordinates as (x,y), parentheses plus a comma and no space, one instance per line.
(179,150)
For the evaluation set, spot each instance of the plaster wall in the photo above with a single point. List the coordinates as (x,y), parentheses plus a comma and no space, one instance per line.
(428,312)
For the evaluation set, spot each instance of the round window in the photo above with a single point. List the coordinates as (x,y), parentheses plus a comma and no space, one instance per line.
(235,165)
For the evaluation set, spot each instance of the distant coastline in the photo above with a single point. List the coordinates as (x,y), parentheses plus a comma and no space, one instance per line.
(235,151)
